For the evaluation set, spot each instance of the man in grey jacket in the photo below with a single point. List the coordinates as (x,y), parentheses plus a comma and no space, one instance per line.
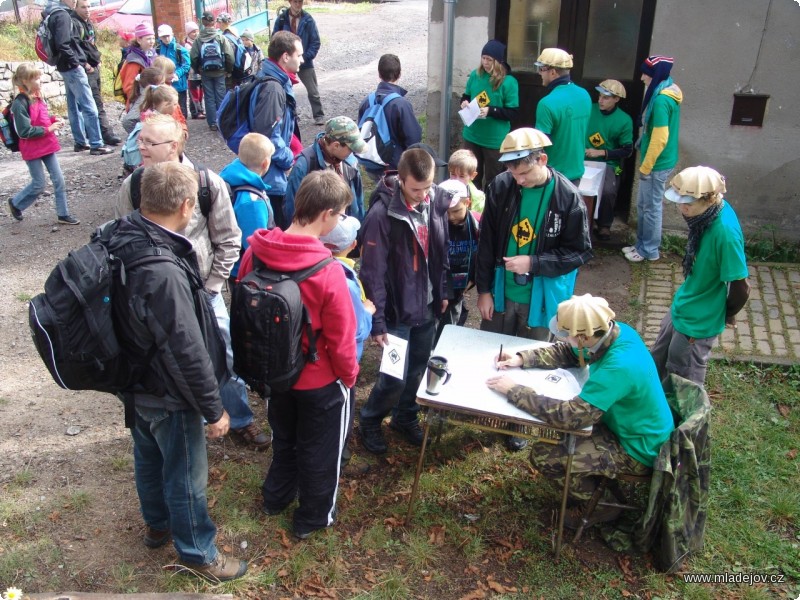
(217,241)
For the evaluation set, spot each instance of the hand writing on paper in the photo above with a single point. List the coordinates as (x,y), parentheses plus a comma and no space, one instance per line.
(507,361)
(501,383)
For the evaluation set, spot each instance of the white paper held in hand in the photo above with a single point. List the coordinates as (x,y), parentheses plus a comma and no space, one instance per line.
(471,112)
(393,362)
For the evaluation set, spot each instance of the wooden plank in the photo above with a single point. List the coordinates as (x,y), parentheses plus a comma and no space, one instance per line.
(91,596)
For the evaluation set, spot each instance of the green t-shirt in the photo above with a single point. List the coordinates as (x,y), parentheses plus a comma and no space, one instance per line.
(624,384)
(524,233)
(666,113)
(564,116)
(489,132)
(609,132)
(698,309)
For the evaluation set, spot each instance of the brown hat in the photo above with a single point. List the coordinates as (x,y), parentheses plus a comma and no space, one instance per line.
(554,57)
(522,142)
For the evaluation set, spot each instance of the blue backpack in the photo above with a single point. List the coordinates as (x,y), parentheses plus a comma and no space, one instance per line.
(235,110)
(211,56)
(131,156)
(243,62)
(375,132)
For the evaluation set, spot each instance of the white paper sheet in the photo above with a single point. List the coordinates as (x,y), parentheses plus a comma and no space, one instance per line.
(393,362)
(471,112)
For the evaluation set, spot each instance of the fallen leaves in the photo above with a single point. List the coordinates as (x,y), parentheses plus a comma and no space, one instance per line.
(436,535)
(784,410)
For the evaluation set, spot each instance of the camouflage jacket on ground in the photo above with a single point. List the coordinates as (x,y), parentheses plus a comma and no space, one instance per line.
(673,523)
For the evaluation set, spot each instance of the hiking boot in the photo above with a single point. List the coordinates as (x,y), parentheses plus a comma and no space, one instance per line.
(411,431)
(372,439)
(601,514)
(213,128)
(515,444)
(101,151)
(112,140)
(604,234)
(155,538)
(253,436)
(68,220)
(346,456)
(80,147)
(15,212)
(271,512)
(221,568)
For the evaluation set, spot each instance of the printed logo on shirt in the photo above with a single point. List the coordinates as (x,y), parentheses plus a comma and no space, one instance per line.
(523,233)
(482,99)
(596,140)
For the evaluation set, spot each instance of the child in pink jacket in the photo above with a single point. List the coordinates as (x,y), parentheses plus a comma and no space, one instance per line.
(38,144)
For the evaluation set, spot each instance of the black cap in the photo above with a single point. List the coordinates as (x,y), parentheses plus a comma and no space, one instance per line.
(436,160)
(208,16)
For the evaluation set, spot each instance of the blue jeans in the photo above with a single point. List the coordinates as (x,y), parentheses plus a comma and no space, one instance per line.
(81,108)
(649,202)
(213,93)
(33,190)
(399,396)
(171,470)
(234,392)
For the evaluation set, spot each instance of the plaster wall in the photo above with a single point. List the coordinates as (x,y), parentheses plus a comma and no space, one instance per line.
(716,49)
(473,22)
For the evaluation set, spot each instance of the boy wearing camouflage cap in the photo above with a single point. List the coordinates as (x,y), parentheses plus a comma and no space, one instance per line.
(622,400)
(332,149)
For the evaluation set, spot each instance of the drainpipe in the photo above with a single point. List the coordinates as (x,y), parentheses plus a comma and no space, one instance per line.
(447,82)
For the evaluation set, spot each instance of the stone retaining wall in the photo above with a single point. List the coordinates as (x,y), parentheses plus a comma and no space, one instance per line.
(53,90)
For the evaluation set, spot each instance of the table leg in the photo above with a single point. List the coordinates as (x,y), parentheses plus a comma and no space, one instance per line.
(414,488)
(570,455)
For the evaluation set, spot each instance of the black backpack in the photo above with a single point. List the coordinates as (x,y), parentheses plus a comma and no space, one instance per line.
(8,131)
(203,190)
(72,322)
(267,322)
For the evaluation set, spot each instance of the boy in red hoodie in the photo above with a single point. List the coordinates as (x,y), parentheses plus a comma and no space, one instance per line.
(309,422)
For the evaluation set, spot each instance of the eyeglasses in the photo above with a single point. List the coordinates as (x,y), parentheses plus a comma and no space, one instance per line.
(149,144)
(544,69)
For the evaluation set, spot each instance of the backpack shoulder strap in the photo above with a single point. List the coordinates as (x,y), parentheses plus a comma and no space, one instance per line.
(304,274)
(389,97)
(136,188)
(248,188)
(203,190)
(299,276)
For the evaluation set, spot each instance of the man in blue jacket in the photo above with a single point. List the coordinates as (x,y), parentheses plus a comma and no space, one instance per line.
(404,129)
(167,46)
(333,149)
(275,113)
(302,24)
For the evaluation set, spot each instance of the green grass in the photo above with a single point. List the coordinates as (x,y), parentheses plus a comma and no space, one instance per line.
(23,296)
(761,246)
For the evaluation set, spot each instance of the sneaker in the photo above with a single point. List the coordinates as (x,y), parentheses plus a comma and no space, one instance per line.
(253,436)
(601,514)
(155,538)
(80,147)
(411,431)
(15,212)
(515,444)
(372,439)
(271,512)
(628,249)
(635,257)
(221,569)
(213,127)
(101,151)
(68,220)
(112,140)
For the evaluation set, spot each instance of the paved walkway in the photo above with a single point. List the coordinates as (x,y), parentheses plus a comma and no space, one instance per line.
(766,329)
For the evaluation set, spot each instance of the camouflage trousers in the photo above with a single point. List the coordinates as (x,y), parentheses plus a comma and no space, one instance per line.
(598,456)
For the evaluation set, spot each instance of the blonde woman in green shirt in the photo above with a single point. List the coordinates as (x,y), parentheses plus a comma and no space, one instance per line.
(497,93)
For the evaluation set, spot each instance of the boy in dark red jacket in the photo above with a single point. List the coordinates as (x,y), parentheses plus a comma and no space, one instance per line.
(309,422)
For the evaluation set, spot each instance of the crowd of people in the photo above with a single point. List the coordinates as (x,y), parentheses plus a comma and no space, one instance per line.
(509,221)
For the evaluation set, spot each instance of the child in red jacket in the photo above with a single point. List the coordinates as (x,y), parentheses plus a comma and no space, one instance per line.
(309,422)
(38,145)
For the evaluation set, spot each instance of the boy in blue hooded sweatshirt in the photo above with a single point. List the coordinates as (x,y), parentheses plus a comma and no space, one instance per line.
(251,204)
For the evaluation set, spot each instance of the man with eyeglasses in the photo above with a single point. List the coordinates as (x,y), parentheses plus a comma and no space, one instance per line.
(534,236)
(563,114)
(217,241)
(404,265)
